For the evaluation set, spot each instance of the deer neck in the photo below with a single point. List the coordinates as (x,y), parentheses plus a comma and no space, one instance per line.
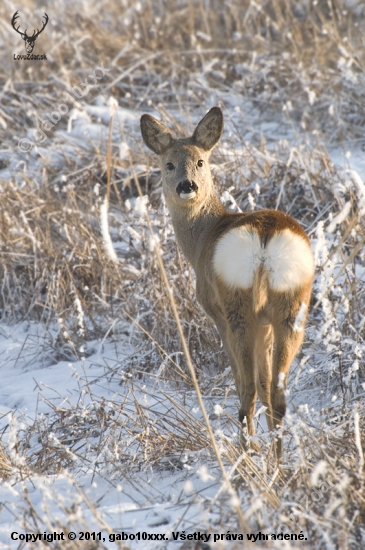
(193,226)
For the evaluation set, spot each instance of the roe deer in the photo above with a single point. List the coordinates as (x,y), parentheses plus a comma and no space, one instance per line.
(254,271)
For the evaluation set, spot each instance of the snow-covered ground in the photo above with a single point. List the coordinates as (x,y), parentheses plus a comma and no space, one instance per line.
(101,431)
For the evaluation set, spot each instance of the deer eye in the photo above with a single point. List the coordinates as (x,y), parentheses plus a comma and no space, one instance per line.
(200,163)
(170,166)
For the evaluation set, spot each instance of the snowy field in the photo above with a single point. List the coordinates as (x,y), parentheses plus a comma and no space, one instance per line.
(101,430)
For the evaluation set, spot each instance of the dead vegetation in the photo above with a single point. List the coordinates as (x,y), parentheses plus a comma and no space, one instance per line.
(297,66)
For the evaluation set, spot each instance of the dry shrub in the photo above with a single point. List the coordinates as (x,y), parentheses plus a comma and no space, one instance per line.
(298,65)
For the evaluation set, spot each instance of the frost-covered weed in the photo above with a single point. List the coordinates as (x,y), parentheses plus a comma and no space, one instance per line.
(289,77)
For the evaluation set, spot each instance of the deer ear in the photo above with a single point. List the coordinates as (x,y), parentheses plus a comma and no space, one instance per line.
(209,129)
(155,135)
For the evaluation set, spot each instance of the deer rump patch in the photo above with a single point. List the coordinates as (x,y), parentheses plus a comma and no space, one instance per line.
(286,258)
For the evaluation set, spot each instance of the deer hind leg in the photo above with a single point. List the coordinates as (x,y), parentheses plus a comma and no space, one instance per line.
(288,339)
(263,359)
(247,390)
(240,344)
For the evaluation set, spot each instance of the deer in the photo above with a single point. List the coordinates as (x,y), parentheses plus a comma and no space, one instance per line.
(29,41)
(254,271)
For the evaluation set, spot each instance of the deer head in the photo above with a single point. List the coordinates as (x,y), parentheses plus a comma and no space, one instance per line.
(29,41)
(186,176)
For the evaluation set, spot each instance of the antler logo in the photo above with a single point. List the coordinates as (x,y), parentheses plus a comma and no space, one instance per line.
(29,41)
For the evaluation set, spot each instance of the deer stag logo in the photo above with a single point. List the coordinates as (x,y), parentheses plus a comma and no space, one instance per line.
(29,41)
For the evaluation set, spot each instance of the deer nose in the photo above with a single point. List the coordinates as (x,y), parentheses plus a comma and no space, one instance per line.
(186,187)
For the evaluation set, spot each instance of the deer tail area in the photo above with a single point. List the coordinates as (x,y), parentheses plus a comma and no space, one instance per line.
(260,290)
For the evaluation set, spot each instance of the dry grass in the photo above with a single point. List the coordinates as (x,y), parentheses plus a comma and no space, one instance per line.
(299,66)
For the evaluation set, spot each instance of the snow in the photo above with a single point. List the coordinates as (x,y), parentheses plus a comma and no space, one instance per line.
(75,421)
(62,385)
(153,501)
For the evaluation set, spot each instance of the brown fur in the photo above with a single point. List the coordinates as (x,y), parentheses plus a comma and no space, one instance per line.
(249,321)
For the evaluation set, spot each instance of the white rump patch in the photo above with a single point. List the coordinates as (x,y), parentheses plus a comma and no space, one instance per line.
(287,259)
(190,195)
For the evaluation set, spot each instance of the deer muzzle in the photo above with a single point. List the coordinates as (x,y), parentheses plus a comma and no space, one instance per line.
(187,189)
